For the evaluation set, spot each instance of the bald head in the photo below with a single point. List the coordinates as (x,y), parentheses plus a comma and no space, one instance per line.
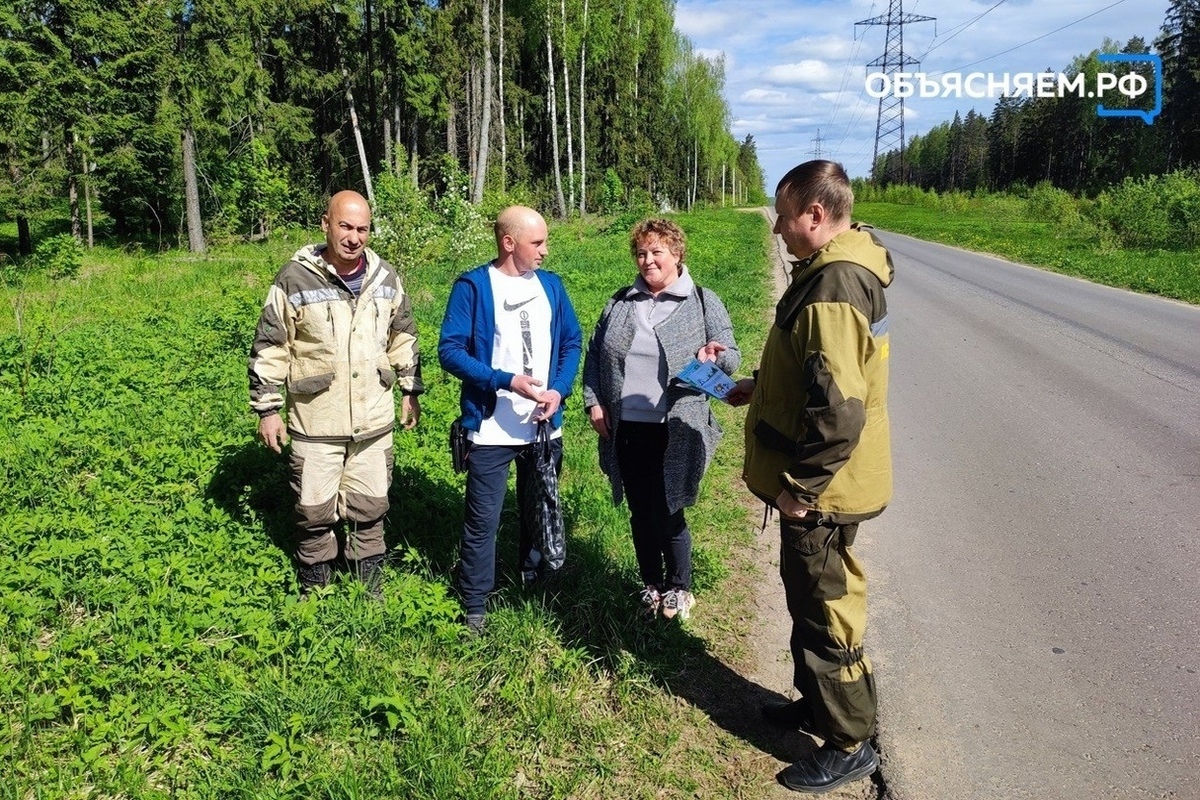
(347,226)
(520,240)
(514,219)
(345,199)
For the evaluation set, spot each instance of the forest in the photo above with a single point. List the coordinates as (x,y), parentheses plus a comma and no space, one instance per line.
(1025,141)
(188,122)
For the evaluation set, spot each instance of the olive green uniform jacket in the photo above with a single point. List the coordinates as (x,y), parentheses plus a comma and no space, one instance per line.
(817,425)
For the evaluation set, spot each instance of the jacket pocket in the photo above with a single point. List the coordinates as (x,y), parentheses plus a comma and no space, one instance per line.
(315,337)
(310,384)
(387,376)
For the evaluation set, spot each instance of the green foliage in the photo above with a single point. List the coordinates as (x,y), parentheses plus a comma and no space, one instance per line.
(610,195)
(405,225)
(1160,211)
(899,193)
(411,227)
(455,210)
(60,256)
(255,195)
(1087,247)
(118,83)
(1047,203)
(149,635)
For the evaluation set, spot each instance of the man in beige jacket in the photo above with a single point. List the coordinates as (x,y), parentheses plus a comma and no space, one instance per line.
(337,330)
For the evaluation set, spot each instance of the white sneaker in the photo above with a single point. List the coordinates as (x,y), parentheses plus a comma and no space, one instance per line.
(678,602)
(651,600)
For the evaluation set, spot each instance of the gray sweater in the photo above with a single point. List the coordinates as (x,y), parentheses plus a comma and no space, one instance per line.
(692,432)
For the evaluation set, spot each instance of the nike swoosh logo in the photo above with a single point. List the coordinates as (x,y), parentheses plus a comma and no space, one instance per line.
(507,307)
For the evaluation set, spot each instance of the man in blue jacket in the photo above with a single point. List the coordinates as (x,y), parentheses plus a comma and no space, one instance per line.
(511,336)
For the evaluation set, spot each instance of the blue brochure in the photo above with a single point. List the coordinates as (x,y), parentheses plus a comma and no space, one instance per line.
(707,377)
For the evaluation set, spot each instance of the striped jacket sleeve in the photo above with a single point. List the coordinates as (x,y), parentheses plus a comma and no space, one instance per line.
(269,354)
(403,354)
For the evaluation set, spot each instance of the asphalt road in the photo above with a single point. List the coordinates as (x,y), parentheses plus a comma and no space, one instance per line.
(1035,584)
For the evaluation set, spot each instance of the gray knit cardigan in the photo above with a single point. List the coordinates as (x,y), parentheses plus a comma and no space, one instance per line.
(692,432)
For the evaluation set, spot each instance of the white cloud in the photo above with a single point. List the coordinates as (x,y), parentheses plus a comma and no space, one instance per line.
(765,97)
(703,23)
(830,47)
(794,67)
(810,73)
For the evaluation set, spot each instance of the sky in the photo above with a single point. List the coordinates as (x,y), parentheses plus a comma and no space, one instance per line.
(796,70)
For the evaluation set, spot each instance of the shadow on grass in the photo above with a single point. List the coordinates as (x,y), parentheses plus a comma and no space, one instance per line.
(252,485)
(593,599)
(601,613)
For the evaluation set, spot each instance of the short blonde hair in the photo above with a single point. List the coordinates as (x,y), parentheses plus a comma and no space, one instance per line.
(664,230)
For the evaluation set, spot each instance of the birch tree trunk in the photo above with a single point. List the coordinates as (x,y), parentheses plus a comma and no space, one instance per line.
(567,118)
(412,155)
(582,106)
(191,192)
(552,103)
(87,199)
(471,87)
(358,140)
(503,126)
(485,107)
(72,184)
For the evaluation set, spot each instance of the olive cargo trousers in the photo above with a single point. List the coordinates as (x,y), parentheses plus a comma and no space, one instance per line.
(826,592)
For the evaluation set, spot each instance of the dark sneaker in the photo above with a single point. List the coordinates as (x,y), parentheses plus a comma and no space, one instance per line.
(795,716)
(369,570)
(828,768)
(313,576)
(476,623)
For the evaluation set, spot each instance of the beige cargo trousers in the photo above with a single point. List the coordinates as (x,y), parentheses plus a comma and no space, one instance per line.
(336,481)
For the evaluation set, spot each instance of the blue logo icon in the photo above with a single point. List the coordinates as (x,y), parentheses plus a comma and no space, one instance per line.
(1146,116)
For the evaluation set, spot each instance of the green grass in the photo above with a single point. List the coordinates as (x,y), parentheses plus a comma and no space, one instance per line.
(150,642)
(1000,226)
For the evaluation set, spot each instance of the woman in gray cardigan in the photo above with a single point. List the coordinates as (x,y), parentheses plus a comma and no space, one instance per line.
(657,434)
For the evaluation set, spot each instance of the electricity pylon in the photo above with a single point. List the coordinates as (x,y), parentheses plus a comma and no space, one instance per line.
(889,123)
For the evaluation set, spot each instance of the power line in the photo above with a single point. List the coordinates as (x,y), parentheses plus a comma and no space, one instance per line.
(846,77)
(889,122)
(961,28)
(1031,41)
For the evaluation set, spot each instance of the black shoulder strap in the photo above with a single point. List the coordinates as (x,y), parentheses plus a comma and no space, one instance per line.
(703,313)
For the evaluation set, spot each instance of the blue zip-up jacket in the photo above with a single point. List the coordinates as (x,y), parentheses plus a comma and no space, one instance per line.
(465,346)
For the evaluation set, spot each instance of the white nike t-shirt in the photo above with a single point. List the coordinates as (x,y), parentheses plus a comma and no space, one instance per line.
(520,345)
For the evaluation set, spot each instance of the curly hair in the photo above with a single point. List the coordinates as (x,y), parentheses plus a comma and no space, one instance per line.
(664,230)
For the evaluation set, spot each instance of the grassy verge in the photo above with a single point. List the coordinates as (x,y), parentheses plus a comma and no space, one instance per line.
(150,644)
(995,226)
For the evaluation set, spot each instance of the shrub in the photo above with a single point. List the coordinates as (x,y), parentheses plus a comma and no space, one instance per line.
(411,227)
(1159,211)
(610,196)
(61,256)
(1048,203)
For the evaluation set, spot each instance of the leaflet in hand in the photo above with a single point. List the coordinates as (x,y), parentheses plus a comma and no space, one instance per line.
(708,377)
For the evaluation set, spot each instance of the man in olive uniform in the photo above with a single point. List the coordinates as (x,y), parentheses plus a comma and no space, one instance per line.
(817,449)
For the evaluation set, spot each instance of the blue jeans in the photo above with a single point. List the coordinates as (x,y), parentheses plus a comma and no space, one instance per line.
(487,482)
